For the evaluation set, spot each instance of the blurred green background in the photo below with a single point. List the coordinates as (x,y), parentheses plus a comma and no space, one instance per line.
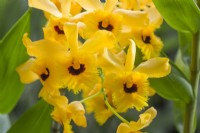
(12,10)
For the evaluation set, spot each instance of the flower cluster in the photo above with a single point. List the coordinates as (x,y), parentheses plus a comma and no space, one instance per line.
(89,47)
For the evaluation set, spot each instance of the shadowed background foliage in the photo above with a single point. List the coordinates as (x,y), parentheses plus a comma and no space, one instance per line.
(12,10)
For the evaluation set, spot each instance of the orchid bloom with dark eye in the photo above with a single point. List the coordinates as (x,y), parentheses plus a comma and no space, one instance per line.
(106,16)
(79,66)
(130,85)
(149,44)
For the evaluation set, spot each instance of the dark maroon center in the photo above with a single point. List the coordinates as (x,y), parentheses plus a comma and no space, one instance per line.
(146,39)
(58,30)
(76,71)
(45,76)
(132,89)
(109,27)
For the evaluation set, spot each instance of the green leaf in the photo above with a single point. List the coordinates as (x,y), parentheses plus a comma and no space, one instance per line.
(182,15)
(174,86)
(35,120)
(4,123)
(12,54)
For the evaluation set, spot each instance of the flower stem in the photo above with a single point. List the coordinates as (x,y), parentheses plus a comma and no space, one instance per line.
(113,110)
(101,75)
(190,112)
(90,97)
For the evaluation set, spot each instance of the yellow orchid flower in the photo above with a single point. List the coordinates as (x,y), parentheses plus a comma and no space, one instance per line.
(54,27)
(130,90)
(60,103)
(73,111)
(106,16)
(54,30)
(79,71)
(98,20)
(148,42)
(64,113)
(155,19)
(43,69)
(73,66)
(44,63)
(130,85)
(135,127)
(57,12)
(78,66)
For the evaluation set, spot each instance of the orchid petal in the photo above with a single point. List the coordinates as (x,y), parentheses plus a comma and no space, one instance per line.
(109,60)
(45,5)
(146,118)
(25,71)
(43,48)
(78,111)
(130,58)
(155,68)
(90,5)
(110,5)
(133,18)
(123,128)
(71,32)
(58,102)
(155,19)
(66,6)
(100,40)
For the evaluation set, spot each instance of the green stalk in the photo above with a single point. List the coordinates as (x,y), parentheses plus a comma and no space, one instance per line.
(190,112)
(91,97)
(101,75)
(112,109)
